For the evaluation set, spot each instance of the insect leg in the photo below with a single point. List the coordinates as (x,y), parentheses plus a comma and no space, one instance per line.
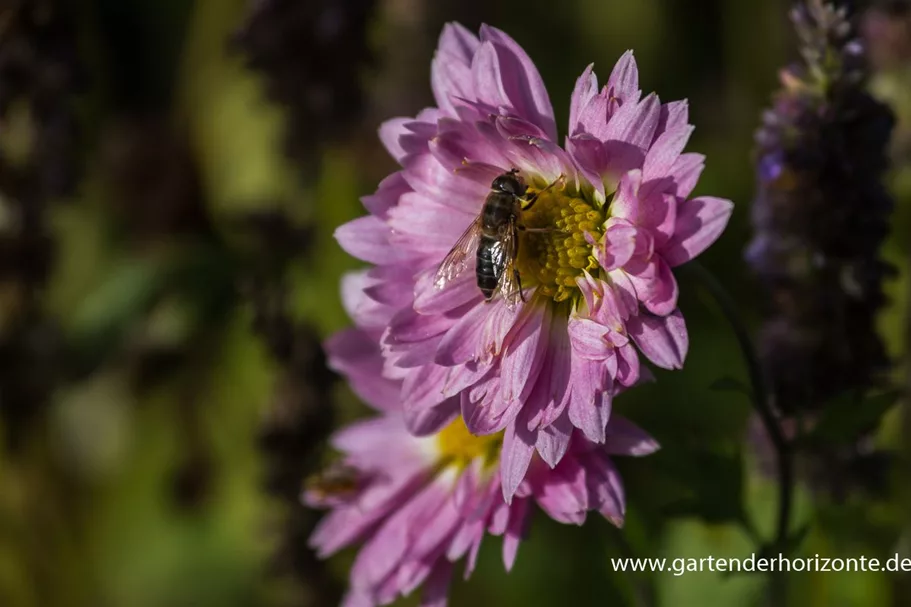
(515,271)
(534,197)
(536,230)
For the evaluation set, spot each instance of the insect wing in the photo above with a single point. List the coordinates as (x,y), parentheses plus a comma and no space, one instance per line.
(504,256)
(458,257)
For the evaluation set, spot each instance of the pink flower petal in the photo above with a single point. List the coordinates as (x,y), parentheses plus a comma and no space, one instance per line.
(700,222)
(367,238)
(590,406)
(390,285)
(384,552)
(628,368)
(484,411)
(585,90)
(663,340)
(624,292)
(462,290)
(686,172)
(456,40)
(430,386)
(588,339)
(450,70)
(478,335)
(623,82)
(524,352)
(564,494)
(425,227)
(390,132)
(593,117)
(674,115)
(519,520)
(625,204)
(605,485)
(553,440)
(545,403)
(436,586)
(357,356)
(430,420)
(520,81)
(366,312)
(619,246)
(626,438)
(655,285)
(665,151)
(634,123)
(515,457)
(387,195)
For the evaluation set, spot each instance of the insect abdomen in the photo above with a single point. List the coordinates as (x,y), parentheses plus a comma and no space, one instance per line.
(488,271)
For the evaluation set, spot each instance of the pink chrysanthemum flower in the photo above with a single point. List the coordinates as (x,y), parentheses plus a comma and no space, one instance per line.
(611,217)
(420,504)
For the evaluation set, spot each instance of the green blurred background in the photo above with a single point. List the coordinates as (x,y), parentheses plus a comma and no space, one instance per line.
(140,483)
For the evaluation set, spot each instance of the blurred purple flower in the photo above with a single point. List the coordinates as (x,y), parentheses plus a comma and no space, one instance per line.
(419,504)
(820,217)
(597,272)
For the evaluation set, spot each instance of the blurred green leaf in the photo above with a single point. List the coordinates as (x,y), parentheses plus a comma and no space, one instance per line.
(847,417)
(731,384)
(126,294)
(716,481)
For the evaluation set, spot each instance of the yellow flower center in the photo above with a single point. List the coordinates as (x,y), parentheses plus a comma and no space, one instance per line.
(458,446)
(553,259)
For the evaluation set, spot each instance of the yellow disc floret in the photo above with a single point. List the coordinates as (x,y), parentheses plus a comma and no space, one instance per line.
(458,446)
(553,251)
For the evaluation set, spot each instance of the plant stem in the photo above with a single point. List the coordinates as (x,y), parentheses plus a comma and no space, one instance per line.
(762,402)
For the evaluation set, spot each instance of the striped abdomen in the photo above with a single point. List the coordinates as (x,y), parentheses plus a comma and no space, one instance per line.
(497,214)
(490,265)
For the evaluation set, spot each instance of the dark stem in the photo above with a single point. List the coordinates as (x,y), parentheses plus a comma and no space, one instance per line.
(902,583)
(762,402)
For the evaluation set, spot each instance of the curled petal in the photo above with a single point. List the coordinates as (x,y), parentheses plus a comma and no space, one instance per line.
(430,420)
(700,222)
(620,242)
(590,406)
(564,493)
(588,339)
(655,285)
(663,340)
(628,368)
(606,488)
(553,441)
(390,132)
(626,438)
(387,195)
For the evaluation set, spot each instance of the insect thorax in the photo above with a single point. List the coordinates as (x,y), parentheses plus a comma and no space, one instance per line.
(498,210)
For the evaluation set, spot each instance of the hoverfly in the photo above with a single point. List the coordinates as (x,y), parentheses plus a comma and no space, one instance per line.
(335,485)
(493,237)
